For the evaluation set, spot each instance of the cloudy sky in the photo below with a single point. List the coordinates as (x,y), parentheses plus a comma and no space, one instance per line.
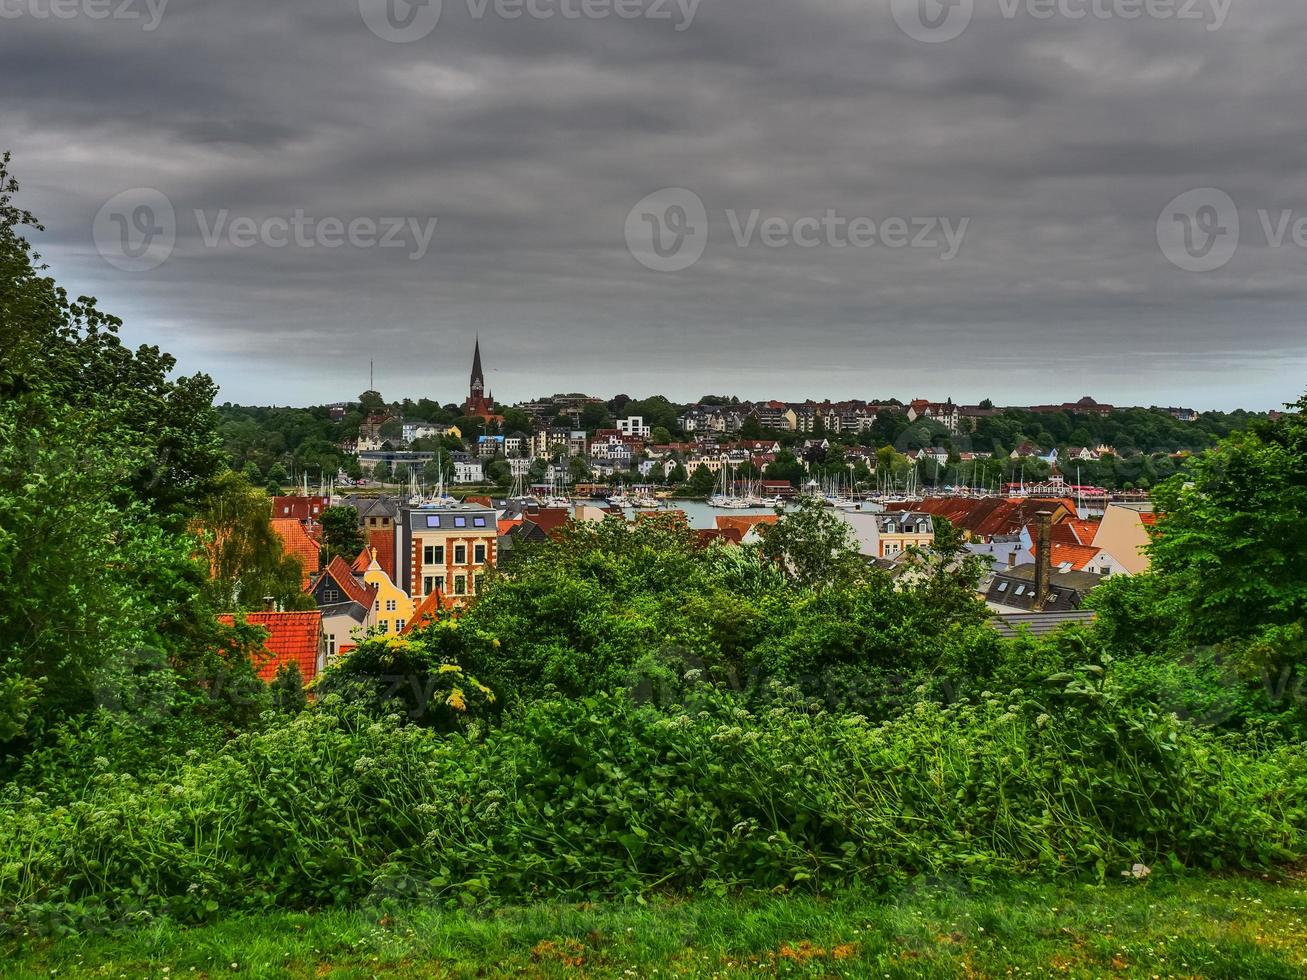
(974,198)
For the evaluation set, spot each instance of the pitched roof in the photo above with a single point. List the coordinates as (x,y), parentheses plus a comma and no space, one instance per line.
(506,526)
(746,524)
(1039,624)
(384,543)
(986,517)
(293,637)
(299,508)
(549,519)
(1085,531)
(729,535)
(298,542)
(427,609)
(1076,554)
(343,575)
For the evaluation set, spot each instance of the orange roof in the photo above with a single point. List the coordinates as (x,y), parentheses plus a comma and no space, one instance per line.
(343,575)
(731,535)
(986,517)
(1085,531)
(426,611)
(298,542)
(1148,519)
(481,500)
(363,562)
(384,542)
(550,519)
(1078,555)
(746,524)
(293,637)
(506,526)
(299,508)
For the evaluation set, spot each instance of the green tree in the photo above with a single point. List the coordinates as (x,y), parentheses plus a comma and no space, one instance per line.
(703,481)
(341,534)
(752,428)
(277,475)
(287,690)
(104,461)
(595,416)
(247,561)
(1231,550)
(786,467)
(814,546)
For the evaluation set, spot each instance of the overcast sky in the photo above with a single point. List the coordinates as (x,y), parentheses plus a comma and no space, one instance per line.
(1051,148)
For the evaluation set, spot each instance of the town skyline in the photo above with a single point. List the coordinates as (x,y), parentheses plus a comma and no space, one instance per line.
(518,392)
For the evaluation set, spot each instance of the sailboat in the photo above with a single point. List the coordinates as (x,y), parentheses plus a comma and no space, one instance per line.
(727,498)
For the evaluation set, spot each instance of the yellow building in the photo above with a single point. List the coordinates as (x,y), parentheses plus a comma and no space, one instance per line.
(392,609)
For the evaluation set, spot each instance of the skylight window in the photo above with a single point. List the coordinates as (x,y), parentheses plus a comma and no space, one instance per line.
(433,520)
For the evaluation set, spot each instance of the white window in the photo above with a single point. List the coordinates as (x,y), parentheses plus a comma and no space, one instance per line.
(392,605)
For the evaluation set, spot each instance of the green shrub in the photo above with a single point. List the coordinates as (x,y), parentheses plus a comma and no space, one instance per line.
(600,797)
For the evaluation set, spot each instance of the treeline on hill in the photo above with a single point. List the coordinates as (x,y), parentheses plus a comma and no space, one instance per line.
(274,447)
(623,711)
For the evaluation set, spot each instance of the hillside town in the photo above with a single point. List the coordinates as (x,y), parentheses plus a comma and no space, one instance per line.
(425,548)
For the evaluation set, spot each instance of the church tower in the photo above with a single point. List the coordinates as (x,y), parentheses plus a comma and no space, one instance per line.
(478,389)
(480,403)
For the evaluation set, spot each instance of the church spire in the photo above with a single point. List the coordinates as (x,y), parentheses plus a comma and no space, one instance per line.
(478,377)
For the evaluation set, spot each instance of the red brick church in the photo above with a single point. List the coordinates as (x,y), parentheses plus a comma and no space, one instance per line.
(479,404)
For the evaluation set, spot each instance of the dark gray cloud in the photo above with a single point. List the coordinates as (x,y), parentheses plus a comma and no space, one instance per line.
(1060,140)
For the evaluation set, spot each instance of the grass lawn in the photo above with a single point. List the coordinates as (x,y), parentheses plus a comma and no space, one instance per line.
(1231,926)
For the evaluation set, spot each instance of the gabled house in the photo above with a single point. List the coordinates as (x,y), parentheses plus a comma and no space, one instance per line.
(347,603)
(1123,534)
(391,608)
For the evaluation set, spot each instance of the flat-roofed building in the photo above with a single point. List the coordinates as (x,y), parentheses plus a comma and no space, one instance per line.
(446,549)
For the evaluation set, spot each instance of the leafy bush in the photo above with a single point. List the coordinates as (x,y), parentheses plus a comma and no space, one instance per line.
(600,797)
(421,674)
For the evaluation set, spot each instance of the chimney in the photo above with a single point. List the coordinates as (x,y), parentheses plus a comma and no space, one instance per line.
(269,604)
(1012,559)
(1043,558)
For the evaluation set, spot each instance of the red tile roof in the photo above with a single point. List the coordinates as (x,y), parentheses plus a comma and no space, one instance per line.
(551,520)
(363,562)
(299,508)
(298,542)
(730,535)
(746,524)
(986,517)
(426,611)
(1085,531)
(506,526)
(293,637)
(341,573)
(384,543)
(1149,520)
(1078,555)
